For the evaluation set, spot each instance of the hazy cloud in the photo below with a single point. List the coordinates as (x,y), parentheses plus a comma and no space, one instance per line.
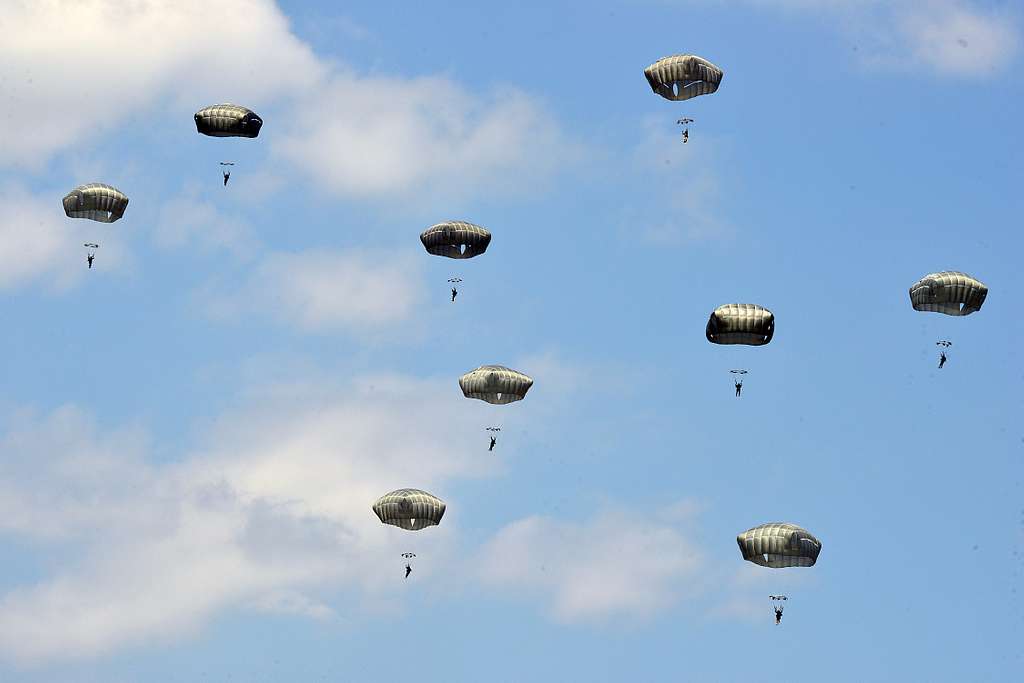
(73,71)
(619,563)
(274,507)
(322,290)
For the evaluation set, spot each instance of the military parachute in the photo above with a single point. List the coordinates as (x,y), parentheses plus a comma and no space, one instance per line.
(455,239)
(779,544)
(228,121)
(409,509)
(95,201)
(748,324)
(681,77)
(495,384)
(949,292)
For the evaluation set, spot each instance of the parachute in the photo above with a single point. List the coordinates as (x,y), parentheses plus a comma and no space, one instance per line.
(228,121)
(738,372)
(778,545)
(944,343)
(408,556)
(949,292)
(681,77)
(741,324)
(409,509)
(455,239)
(95,201)
(91,245)
(495,384)
(455,279)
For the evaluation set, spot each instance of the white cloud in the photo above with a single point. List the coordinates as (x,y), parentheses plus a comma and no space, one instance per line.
(189,220)
(948,37)
(74,71)
(385,137)
(619,564)
(272,510)
(39,244)
(953,38)
(355,290)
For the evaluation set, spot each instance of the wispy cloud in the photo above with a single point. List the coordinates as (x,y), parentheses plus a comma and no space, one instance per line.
(620,563)
(352,135)
(320,290)
(385,137)
(129,58)
(957,38)
(272,508)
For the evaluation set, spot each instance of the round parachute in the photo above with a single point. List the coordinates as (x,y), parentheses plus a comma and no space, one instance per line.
(949,292)
(779,544)
(455,239)
(741,324)
(681,77)
(97,202)
(409,509)
(495,384)
(228,121)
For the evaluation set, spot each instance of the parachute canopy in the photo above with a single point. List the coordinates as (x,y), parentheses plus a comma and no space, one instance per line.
(741,324)
(409,509)
(949,292)
(495,384)
(456,239)
(95,201)
(681,77)
(228,121)
(779,544)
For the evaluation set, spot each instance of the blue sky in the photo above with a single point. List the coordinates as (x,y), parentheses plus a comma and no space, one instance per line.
(192,433)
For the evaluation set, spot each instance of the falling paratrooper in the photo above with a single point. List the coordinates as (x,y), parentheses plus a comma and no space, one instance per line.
(945,344)
(779,545)
(683,77)
(91,253)
(409,509)
(228,121)
(746,324)
(951,293)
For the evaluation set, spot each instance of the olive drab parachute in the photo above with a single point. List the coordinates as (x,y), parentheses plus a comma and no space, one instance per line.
(95,201)
(681,77)
(741,324)
(455,239)
(228,121)
(495,384)
(409,509)
(949,292)
(778,545)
